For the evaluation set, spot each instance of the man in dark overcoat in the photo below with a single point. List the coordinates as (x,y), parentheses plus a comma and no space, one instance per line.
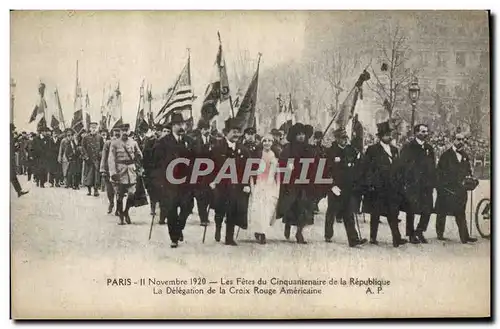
(41,156)
(452,169)
(175,198)
(104,170)
(55,169)
(295,203)
(383,197)
(148,166)
(342,168)
(92,146)
(418,179)
(230,197)
(203,145)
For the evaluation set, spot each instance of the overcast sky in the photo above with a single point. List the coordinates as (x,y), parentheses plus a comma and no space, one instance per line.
(131,46)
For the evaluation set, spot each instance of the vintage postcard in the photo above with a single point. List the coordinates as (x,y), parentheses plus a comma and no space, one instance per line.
(250,164)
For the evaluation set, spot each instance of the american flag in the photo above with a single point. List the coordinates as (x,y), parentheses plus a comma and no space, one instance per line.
(180,98)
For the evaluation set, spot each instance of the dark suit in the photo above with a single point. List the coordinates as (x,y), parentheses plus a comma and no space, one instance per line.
(342,168)
(230,200)
(173,196)
(418,179)
(382,197)
(202,150)
(451,193)
(148,166)
(42,158)
(55,169)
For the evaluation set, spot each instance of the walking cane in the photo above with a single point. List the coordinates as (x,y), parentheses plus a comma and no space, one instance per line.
(237,233)
(151,228)
(357,224)
(204,233)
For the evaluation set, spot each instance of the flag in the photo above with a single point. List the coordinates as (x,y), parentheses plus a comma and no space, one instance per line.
(103,121)
(181,97)
(114,105)
(57,118)
(151,120)
(246,111)
(141,124)
(77,123)
(40,108)
(346,111)
(217,90)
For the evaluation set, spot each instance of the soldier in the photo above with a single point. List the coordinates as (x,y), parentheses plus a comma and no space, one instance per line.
(92,145)
(203,145)
(295,205)
(382,195)
(342,168)
(452,169)
(104,170)
(230,200)
(62,158)
(418,178)
(123,154)
(175,199)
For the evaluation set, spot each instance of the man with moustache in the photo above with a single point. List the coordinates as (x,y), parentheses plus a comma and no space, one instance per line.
(230,200)
(104,170)
(123,154)
(92,145)
(148,165)
(175,199)
(452,169)
(382,196)
(343,166)
(203,145)
(418,179)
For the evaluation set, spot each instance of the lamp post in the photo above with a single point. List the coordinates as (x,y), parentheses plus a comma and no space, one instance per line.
(414,94)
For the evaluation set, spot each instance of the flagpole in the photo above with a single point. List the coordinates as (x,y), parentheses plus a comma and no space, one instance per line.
(230,97)
(336,114)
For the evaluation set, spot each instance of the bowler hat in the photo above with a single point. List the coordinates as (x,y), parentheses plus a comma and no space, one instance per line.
(203,124)
(275,132)
(383,128)
(93,123)
(176,118)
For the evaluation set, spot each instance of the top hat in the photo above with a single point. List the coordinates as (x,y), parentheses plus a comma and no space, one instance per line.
(275,132)
(176,118)
(250,131)
(383,128)
(318,135)
(93,123)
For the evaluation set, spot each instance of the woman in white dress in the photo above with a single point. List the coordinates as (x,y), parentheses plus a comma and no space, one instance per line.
(265,192)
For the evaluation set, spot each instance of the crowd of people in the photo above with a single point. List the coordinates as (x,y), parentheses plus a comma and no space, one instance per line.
(380,178)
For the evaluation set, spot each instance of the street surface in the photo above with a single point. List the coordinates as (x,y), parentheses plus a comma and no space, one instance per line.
(65,248)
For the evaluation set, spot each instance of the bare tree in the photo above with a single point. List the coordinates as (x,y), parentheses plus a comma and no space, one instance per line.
(336,68)
(390,83)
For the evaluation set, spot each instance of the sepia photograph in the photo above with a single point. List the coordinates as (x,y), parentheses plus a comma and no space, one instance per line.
(230,164)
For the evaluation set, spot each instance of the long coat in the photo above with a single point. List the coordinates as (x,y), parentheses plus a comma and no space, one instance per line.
(417,169)
(296,201)
(122,167)
(53,155)
(451,193)
(229,198)
(148,166)
(92,147)
(62,157)
(381,184)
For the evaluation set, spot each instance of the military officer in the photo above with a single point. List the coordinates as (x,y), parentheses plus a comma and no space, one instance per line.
(123,155)
(92,145)
(104,170)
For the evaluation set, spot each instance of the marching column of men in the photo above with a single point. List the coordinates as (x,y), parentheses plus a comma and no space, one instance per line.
(389,181)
